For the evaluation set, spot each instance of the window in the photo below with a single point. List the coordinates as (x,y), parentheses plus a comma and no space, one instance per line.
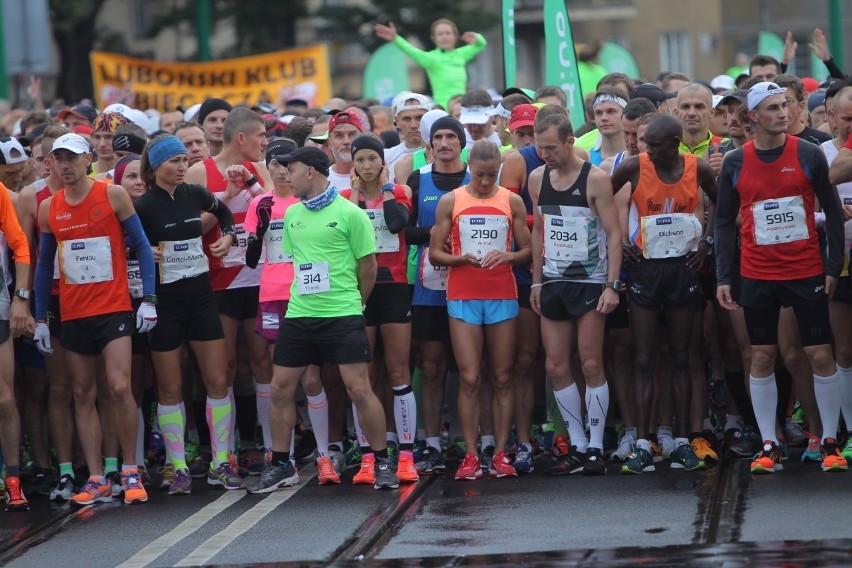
(676,52)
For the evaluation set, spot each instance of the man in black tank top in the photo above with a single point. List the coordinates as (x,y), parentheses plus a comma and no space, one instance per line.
(576,245)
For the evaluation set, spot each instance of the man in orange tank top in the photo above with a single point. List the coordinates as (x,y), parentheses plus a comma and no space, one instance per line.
(662,217)
(89,219)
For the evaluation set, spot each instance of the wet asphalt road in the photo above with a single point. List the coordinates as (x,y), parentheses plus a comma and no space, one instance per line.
(668,517)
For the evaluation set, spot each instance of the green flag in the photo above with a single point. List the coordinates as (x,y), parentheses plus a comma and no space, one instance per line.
(386,73)
(509,64)
(616,58)
(770,44)
(561,59)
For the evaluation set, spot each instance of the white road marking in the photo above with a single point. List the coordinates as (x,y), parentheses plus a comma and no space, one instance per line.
(160,546)
(216,543)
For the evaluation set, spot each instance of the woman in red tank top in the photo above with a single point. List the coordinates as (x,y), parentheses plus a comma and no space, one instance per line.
(389,307)
(481,219)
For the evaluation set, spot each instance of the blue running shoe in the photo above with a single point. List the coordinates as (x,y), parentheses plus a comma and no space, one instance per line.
(523,462)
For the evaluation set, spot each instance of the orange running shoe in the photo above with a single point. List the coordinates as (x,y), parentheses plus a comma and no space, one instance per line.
(703,448)
(469,468)
(832,460)
(93,491)
(15,500)
(366,475)
(326,471)
(768,460)
(406,471)
(134,491)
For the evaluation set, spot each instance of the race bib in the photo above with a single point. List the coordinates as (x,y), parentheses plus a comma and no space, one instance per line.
(778,221)
(670,236)
(566,238)
(134,278)
(312,278)
(481,234)
(385,240)
(86,261)
(274,241)
(236,255)
(182,259)
(56,272)
(433,277)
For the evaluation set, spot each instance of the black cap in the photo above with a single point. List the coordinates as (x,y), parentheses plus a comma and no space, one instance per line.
(739,96)
(82,110)
(279,147)
(310,156)
(212,105)
(651,92)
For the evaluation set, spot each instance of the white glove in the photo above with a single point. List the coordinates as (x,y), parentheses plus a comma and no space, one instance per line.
(146,317)
(42,338)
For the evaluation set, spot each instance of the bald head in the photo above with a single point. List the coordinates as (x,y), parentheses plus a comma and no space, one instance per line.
(693,90)
(844,95)
(662,138)
(664,126)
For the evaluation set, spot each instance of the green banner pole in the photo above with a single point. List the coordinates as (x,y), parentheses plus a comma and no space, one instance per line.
(4,76)
(835,31)
(510,65)
(561,59)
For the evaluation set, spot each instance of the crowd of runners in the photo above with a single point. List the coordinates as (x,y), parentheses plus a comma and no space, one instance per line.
(467,284)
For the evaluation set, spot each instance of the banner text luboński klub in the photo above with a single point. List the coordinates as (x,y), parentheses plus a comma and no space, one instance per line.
(165,86)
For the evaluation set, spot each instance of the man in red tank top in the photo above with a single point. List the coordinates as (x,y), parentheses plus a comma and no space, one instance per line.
(235,176)
(662,215)
(88,219)
(773,183)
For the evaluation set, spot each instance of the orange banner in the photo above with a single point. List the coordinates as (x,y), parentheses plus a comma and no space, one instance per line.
(270,77)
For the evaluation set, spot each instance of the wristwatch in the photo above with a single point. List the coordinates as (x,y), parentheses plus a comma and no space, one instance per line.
(250,182)
(708,239)
(387,187)
(22,293)
(150,298)
(616,285)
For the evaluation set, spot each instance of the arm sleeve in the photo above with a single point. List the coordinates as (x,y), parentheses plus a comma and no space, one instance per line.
(470,51)
(254,249)
(833,69)
(396,211)
(727,207)
(139,242)
(830,202)
(211,204)
(420,57)
(44,274)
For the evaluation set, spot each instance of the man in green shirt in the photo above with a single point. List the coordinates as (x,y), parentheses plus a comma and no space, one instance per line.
(334,269)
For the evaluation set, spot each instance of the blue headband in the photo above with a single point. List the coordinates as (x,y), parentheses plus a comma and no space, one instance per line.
(164,149)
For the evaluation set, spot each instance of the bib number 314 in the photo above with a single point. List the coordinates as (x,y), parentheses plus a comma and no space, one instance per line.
(312,278)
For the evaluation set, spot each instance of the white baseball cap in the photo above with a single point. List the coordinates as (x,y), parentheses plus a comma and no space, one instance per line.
(475,115)
(398,104)
(191,113)
(11,151)
(760,92)
(725,82)
(71,142)
(121,109)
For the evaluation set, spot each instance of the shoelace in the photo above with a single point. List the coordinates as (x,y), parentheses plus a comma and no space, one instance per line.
(91,487)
